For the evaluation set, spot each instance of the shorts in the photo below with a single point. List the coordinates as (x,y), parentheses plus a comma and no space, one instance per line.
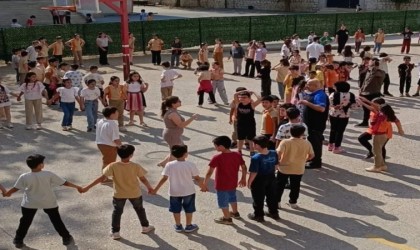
(246,132)
(226,197)
(177,203)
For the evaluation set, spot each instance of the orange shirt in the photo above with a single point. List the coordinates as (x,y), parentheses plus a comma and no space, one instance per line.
(359,36)
(113,93)
(331,78)
(156,44)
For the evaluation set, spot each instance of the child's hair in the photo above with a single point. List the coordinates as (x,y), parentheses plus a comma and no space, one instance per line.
(23,53)
(294,67)
(387,110)
(240,89)
(167,103)
(216,63)
(74,66)
(15,50)
(407,58)
(113,78)
(244,93)
(327,48)
(63,64)
(31,64)
(267,98)
(91,81)
(263,43)
(28,78)
(65,80)
(261,141)
(347,51)
(33,161)
(342,86)
(312,72)
(329,66)
(93,67)
(108,111)
(383,54)
(285,62)
(130,76)
(184,52)
(266,63)
(218,40)
(298,80)
(125,151)
(379,100)
(297,130)
(203,67)
(287,106)
(223,140)
(202,45)
(179,151)
(166,64)
(52,60)
(274,97)
(39,47)
(342,64)
(292,113)
(365,49)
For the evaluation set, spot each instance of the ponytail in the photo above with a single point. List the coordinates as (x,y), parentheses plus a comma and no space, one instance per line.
(163,108)
(167,103)
(387,110)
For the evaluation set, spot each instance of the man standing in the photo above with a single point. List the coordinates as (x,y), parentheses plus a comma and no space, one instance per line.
(371,87)
(315,115)
(314,50)
(341,37)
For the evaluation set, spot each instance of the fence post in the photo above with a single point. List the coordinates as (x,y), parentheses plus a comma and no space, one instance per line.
(3,40)
(200,36)
(250,29)
(143,37)
(373,23)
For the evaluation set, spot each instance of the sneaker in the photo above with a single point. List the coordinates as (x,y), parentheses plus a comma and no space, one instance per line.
(407,94)
(252,216)
(9,125)
(191,228)
(401,95)
(19,244)
(338,150)
(416,94)
(179,228)
(115,236)
(223,220)
(236,215)
(69,127)
(388,94)
(330,146)
(369,155)
(38,126)
(279,205)
(272,216)
(123,129)
(147,230)
(374,169)
(89,130)
(293,205)
(64,128)
(28,127)
(67,241)
(199,106)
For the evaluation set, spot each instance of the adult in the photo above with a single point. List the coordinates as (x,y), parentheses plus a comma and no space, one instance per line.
(108,137)
(76,44)
(260,54)
(238,54)
(285,52)
(102,41)
(131,46)
(315,115)
(155,45)
(57,47)
(341,37)
(407,33)
(371,87)
(249,59)
(176,50)
(314,50)
(174,124)
(325,39)
(55,16)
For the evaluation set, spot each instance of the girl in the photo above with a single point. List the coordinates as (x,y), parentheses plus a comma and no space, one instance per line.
(89,99)
(33,91)
(5,106)
(288,83)
(347,54)
(296,58)
(298,92)
(131,46)
(343,72)
(218,52)
(310,66)
(203,54)
(379,39)
(384,59)
(328,53)
(282,69)
(68,96)
(341,102)
(260,54)
(116,94)
(359,37)
(136,102)
(204,81)
(285,49)
(295,42)
(265,78)
(380,127)
(331,77)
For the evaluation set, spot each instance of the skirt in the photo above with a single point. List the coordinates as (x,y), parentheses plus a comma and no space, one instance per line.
(134,101)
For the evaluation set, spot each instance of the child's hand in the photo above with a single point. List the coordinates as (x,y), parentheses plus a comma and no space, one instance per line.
(401,132)
(242,183)
(18,99)
(204,188)
(152,192)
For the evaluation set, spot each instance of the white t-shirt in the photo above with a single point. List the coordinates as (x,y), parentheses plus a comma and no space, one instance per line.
(315,50)
(180,175)
(167,75)
(38,189)
(107,132)
(134,87)
(32,91)
(95,76)
(103,42)
(76,78)
(4,97)
(284,131)
(32,54)
(260,54)
(90,94)
(68,95)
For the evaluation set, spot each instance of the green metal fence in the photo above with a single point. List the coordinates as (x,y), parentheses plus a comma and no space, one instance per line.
(194,31)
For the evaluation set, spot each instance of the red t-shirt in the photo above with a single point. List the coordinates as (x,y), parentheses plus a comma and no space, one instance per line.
(29,22)
(227,167)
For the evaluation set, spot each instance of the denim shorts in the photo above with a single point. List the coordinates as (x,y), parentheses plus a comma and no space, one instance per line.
(177,203)
(226,197)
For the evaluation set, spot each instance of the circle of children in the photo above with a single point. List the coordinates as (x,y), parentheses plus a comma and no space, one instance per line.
(291,137)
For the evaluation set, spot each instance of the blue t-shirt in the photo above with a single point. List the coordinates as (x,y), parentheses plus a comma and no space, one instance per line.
(264,164)
(319,98)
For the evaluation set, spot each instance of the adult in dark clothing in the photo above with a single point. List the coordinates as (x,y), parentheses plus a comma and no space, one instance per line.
(341,37)
(371,87)
(363,70)
(315,115)
(407,33)
(176,47)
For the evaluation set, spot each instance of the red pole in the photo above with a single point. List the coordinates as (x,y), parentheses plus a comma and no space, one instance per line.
(124,38)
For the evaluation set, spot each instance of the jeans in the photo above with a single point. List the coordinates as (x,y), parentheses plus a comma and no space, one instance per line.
(387,82)
(377,47)
(103,55)
(68,110)
(294,186)
(219,86)
(338,126)
(405,81)
(91,108)
(264,187)
(237,65)
(119,204)
(201,97)
(265,87)
(406,44)
(366,112)
(156,59)
(249,67)
(174,60)
(315,138)
(28,216)
(281,90)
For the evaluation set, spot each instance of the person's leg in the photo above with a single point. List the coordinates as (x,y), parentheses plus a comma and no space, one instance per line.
(177,60)
(29,113)
(408,46)
(58,224)
(403,46)
(364,141)
(72,106)
(38,111)
(387,82)
(220,85)
(80,57)
(188,203)
(258,196)
(315,138)
(378,142)
(172,60)
(116,214)
(154,56)
(239,69)
(200,97)
(333,132)
(402,83)
(109,154)
(140,211)
(101,56)
(379,47)
(212,98)
(8,115)
(24,224)
(257,66)
(294,188)
(271,195)
(177,218)
(223,203)
(282,179)
(89,114)
(407,85)
(281,90)
(158,57)
(342,124)
(66,114)
(247,66)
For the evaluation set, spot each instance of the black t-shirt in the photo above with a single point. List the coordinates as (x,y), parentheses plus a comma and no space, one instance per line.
(178,46)
(407,35)
(343,35)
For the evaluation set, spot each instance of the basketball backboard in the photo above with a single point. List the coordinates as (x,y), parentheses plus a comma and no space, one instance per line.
(82,6)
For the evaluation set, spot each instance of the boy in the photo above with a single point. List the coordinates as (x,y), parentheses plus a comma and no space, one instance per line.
(269,120)
(217,81)
(186,59)
(75,76)
(89,99)
(404,71)
(293,154)
(262,180)
(232,119)
(126,175)
(227,165)
(38,194)
(167,80)
(293,114)
(181,187)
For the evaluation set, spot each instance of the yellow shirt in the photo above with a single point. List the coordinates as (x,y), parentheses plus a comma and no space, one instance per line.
(379,38)
(320,77)
(126,178)
(288,81)
(117,93)
(57,48)
(281,73)
(155,44)
(293,153)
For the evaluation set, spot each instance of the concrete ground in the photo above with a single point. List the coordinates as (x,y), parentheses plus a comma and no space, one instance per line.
(342,206)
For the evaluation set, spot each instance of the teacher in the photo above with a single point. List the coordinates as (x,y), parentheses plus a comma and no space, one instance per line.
(102,42)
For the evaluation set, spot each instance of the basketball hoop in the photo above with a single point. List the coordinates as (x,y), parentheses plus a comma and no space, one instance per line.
(71,8)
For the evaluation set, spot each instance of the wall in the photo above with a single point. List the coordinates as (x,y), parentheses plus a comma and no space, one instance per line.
(389,5)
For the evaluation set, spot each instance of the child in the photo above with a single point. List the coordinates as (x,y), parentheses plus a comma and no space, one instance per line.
(167,80)
(227,165)
(269,120)
(293,116)
(384,59)
(320,75)
(186,60)
(33,91)
(378,39)
(23,66)
(218,52)
(75,76)
(363,70)
(126,175)
(366,52)
(343,72)
(282,69)
(204,81)
(68,96)
(57,47)
(293,154)
(288,83)
(51,77)
(38,186)
(116,94)
(404,71)
(418,83)
(347,54)
(217,81)
(135,99)
(15,62)
(203,54)
(61,71)
(265,78)
(181,187)
(245,110)
(89,99)
(262,180)
(232,119)
(328,53)
(94,74)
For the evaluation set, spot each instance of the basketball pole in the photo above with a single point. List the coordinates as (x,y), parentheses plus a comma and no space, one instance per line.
(122,11)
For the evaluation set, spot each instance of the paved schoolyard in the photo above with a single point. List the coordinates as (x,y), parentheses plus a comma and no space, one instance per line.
(342,206)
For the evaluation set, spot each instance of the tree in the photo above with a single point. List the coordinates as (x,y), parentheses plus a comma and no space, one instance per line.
(399,2)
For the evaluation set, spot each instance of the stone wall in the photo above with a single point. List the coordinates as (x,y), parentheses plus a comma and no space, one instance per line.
(389,5)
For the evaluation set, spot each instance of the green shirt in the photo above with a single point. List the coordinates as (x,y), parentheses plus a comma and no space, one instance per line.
(325,40)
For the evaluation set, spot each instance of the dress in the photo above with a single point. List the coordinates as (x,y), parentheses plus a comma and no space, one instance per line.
(134,97)
(172,134)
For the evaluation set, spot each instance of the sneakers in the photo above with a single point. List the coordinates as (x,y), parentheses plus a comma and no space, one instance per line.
(272,216)
(235,215)
(147,230)
(338,150)
(362,124)
(388,94)
(330,146)
(223,220)
(29,127)
(416,94)
(293,205)
(18,244)
(89,130)
(9,125)
(115,236)
(123,129)
(369,155)
(65,128)
(179,228)
(191,228)
(38,127)
(401,95)
(67,241)
(407,95)
(252,216)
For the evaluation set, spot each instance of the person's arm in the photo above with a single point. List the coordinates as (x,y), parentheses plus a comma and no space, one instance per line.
(312,106)
(199,180)
(80,102)
(206,179)
(400,129)
(364,104)
(231,113)
(275,122)
(177,76)
(109,39)
(94,183)
(53,98)
(69,184)
(256,102)
(161,182)
(242,182)
(82,42)
(146,183)
(251,179)
(3,190)
(177,120)
(10,192)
